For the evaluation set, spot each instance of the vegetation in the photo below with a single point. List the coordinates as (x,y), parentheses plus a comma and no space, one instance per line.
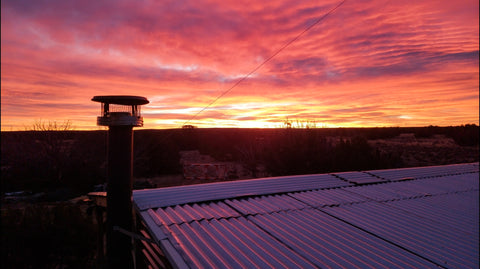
(307,152)
(52,157)
(61,164)
(47,236)
(42,161)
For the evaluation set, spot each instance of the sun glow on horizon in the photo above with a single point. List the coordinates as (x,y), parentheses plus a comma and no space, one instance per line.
(368,64)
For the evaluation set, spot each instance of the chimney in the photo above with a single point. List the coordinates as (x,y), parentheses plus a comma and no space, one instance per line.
(120,113)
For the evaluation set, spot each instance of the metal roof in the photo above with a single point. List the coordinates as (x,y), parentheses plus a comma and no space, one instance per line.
(399,218)
(154,198)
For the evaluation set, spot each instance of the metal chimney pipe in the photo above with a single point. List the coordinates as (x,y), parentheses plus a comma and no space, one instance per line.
(119,195)
(120,114)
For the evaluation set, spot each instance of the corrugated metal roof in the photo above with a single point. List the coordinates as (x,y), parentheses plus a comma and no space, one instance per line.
(426,172)
(359,177)
(440,235)
(153,198)
(321,221)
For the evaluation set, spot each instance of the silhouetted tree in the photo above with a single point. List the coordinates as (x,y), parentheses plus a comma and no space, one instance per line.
(55,142)
(465,135)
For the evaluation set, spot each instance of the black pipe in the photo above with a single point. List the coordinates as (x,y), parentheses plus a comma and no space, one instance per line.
(119,196)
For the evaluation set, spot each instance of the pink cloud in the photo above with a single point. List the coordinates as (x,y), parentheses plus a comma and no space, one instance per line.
(418,58)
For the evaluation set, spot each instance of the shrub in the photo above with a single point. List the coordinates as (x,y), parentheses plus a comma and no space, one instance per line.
(47,236)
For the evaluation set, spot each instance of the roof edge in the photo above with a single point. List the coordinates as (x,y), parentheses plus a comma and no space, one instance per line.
(186,194)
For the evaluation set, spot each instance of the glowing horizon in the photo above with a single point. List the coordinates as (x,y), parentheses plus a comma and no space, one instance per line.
(369,64)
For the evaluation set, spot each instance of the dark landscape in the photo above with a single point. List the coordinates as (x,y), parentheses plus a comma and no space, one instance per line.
(46,175)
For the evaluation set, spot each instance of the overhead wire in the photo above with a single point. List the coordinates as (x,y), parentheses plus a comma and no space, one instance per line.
(265,61)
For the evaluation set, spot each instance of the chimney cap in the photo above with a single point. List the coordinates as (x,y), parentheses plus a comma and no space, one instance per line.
(121,99)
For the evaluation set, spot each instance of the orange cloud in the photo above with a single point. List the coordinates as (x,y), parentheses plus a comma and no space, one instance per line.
(370,63)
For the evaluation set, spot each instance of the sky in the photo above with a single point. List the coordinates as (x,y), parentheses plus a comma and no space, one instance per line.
(368,63)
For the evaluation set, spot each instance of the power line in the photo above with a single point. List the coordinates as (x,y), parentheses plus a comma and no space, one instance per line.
(267,60)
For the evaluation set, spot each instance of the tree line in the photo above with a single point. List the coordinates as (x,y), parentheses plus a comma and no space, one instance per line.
(40,160)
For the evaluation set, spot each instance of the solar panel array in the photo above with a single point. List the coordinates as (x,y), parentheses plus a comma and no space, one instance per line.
(427,220)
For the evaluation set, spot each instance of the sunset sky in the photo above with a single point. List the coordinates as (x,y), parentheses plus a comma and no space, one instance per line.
(367,64)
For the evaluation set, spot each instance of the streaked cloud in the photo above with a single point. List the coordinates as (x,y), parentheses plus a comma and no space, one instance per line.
(370,63)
